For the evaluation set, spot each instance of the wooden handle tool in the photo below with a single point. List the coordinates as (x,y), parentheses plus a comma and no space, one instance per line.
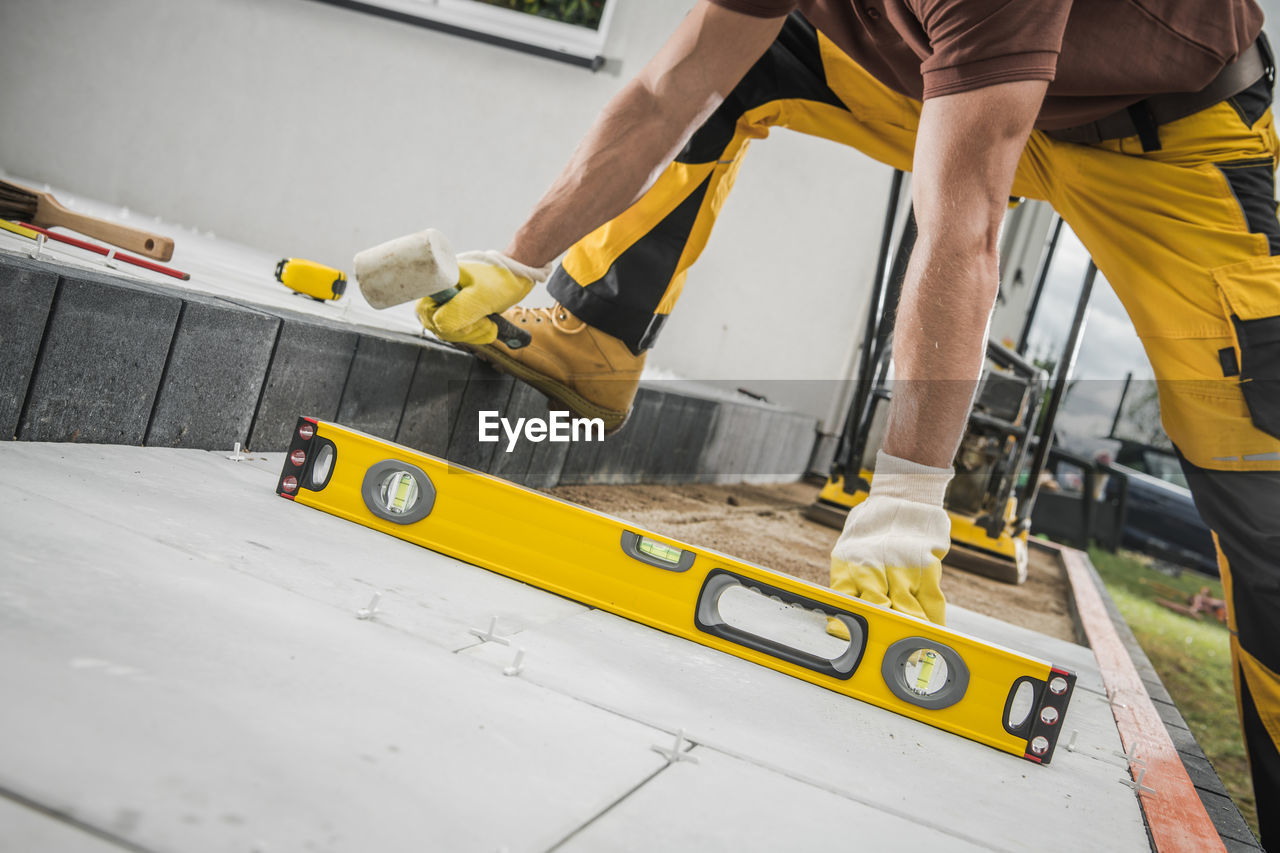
(40,208)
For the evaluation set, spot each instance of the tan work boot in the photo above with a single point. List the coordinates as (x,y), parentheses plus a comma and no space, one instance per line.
(590,373)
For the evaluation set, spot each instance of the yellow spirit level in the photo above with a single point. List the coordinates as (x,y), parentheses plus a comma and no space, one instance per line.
(311,279)
(924,671)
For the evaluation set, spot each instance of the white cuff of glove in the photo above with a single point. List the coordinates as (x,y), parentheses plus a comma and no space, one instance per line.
(901,478)
(890,553)
(538,275)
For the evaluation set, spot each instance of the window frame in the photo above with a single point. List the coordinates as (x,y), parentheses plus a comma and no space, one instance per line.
(522,31)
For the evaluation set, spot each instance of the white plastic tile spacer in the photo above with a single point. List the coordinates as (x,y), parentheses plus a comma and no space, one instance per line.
(516,665)
(489,636)
(110,260)
(39,247)
(1136,784)
(1131,757)
(372,610)
(677,752)
(1071,742)
(236,455)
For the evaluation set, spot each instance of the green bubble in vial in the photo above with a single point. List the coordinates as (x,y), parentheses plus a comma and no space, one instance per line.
(925,674)
(399,492)
(659,550)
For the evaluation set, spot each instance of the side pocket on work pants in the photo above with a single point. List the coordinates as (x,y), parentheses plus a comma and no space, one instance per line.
(1250,294)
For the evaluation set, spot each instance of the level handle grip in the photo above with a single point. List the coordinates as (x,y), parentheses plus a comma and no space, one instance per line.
(708,618)
(1044,710)
(510,334)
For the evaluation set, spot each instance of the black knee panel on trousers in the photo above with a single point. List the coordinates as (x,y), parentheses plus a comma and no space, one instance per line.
(624,301)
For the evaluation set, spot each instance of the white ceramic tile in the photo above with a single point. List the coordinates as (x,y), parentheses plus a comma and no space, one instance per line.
(187,654)
(26,830)
(724,803)
(226,512)
(840,744)
(222,712)
(1078,659)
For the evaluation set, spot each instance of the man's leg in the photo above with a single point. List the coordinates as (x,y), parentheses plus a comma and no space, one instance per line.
(1188,237)
(626,276)
(1243,508)
(617,285)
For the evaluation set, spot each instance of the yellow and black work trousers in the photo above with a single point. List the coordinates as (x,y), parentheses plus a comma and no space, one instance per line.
(1186,234)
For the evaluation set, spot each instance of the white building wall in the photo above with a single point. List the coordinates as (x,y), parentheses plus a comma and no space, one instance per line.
(315,131)
(311,130)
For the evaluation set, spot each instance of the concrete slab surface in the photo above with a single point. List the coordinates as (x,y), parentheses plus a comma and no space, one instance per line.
(27,828)
(755,803)
(862,752)
(193,676)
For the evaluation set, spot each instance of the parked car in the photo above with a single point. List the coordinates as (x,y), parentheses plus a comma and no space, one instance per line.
(1161,520)
(1160,516)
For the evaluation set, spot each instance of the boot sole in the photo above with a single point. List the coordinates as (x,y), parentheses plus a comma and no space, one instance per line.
(558,392)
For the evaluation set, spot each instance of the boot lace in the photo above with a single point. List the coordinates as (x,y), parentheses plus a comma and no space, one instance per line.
(556,315)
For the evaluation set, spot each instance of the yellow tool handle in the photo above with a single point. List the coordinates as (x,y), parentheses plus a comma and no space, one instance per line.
(14,228)
(510,334)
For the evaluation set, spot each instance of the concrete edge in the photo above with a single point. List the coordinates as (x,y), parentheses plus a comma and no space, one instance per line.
(1189,795)
(415,390)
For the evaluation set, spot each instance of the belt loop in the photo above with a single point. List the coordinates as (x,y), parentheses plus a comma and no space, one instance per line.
(1145,124)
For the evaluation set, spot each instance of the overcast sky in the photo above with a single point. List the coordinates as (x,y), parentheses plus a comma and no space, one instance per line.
(1110,348)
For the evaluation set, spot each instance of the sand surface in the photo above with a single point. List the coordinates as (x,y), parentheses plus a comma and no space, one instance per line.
(765,525)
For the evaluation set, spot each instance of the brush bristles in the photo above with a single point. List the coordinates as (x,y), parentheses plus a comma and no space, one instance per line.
(16,203)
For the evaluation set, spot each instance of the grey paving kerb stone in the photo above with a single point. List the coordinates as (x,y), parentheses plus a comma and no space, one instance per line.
(27,295)
(95,357)
(213,378)
(101,361)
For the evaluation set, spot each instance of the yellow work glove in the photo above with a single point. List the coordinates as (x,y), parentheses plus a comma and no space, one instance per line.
(890,553)
(490,283)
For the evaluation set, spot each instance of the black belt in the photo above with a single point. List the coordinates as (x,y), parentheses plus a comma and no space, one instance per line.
(1142,118)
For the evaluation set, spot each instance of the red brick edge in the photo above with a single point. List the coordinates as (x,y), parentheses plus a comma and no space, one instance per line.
(1175,816)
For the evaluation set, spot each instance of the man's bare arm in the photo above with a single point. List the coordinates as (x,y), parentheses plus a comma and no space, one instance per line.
(967,150)
(644,126)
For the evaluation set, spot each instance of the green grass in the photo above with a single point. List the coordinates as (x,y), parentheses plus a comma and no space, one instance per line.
(1192,658)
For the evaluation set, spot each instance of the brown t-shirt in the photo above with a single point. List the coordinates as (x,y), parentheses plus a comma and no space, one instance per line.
(1101,55)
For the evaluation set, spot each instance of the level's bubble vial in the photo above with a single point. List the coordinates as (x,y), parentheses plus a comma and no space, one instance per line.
(1058,685)
(306,431)
(398,492)
(289,484)
(659,550)
(298,457)
(655,553)
(1049,716)
(1039,745)
(393,489)
(925,672)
